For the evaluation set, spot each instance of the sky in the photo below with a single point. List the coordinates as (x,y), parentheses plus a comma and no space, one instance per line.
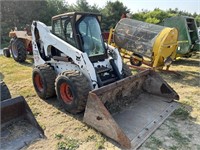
(190,6)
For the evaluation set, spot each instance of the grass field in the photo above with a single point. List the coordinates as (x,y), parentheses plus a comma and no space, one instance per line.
(181,131)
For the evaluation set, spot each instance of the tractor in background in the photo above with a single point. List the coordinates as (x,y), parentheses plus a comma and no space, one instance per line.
(20,45)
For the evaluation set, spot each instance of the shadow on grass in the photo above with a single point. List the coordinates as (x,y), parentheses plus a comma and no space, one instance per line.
(190,78)
(55,103)
(187,62)
(28,63)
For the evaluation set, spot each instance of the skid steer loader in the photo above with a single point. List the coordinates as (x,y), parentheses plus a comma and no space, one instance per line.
(75,64)
(18,125)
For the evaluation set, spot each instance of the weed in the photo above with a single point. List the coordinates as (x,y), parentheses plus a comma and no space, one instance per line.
(181,113)
(68,144)
(58,136)
(91,138)
(173,148)
(153,143)
(36,113)
(100,144)
(178,137)
(62,145)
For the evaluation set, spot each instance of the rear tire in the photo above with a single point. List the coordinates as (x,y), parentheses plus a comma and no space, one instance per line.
(134,61)
(126,71)
(43,77)
(72,88)
(6,52)
(5,93)
(18,50)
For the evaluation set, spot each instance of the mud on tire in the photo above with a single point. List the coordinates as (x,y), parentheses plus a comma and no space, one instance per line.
(43,77)
(72,88)
(5,93)
(18,50)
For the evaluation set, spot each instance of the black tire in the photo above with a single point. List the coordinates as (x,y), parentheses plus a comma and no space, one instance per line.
(72,88)
(6,52)
(43,77)
(126,71)
(5,93)
(18,50)
(134,61)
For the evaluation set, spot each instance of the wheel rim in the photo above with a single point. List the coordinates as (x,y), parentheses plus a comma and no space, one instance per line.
(38,82)
(14,51)
(134,60)
(66,93)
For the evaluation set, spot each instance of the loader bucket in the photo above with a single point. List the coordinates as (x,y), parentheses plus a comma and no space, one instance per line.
(18,125)
(130,110)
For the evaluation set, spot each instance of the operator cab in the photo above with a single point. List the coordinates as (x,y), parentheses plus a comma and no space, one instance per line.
(81,30)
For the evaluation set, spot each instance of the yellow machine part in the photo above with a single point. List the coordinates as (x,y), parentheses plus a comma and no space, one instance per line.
(164,48)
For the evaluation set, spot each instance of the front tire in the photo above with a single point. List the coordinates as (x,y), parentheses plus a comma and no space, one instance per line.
(72,88)
(43,77)
(18,50)
(134,61)
(6,52)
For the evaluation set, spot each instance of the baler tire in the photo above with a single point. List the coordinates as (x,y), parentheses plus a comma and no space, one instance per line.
(6,52)
(5,93)
(18,50)
(126,71)
(43,77)
(134,61)
(72,89)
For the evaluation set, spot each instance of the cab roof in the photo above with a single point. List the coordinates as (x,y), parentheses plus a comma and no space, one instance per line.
(74,14)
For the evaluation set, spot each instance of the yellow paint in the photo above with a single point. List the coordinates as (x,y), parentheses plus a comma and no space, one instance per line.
(164,47)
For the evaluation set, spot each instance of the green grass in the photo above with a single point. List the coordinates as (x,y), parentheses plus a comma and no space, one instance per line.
(178,137)
(91,138)
(68,144)
(100,143)
(173,148)
(58,136)
(153,143)
(17,76)
(181,113)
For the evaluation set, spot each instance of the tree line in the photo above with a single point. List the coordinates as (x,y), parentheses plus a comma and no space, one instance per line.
(21,13)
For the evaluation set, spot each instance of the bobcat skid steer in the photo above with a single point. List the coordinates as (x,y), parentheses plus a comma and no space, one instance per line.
(73,63)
